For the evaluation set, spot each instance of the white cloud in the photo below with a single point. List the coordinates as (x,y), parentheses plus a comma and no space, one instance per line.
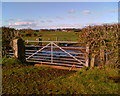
(21,24)
(20,20)
(71,11)
(64,26)
(71,25)
(86,12)
(17,25)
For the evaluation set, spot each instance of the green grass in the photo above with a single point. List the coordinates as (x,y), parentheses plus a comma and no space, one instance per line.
(28,79)
(93,81)
(53,36)
(29,38)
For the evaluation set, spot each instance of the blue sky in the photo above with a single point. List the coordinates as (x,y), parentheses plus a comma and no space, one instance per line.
(60,0)
(37,15)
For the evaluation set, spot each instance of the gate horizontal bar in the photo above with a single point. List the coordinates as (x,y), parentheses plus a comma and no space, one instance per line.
(56,61)
(58,55)
(40,57)
(61,47)
(55,64)
(59,52)
(55,41)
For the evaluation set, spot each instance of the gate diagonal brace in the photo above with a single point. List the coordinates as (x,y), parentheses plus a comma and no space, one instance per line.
(68,53)
(38,51)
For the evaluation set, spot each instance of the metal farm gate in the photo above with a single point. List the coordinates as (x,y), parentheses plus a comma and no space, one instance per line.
(57,53)
(54,54)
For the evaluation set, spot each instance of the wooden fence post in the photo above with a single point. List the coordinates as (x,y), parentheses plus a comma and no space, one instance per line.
(87,55)
(102,55)
(19,49)
(92,61)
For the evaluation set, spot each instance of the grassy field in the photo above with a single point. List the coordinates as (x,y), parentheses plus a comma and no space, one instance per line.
(28,79)
(56,36)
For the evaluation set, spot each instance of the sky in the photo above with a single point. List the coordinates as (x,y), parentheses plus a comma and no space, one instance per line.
(52,15)
(60,0)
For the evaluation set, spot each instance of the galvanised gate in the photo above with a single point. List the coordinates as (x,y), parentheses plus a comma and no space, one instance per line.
(54,53)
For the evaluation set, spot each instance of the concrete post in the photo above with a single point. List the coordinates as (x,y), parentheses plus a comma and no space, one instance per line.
(19,49)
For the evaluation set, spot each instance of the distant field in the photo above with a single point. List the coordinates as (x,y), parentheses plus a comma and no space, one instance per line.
(56,36)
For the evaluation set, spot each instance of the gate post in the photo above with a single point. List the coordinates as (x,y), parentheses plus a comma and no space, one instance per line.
(92,62)
(102,55)
(87,55)
(19,49)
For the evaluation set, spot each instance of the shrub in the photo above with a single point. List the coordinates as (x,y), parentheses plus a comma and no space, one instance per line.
(11,61)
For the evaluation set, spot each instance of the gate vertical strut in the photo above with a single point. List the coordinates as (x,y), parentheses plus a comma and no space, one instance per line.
(51,52)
